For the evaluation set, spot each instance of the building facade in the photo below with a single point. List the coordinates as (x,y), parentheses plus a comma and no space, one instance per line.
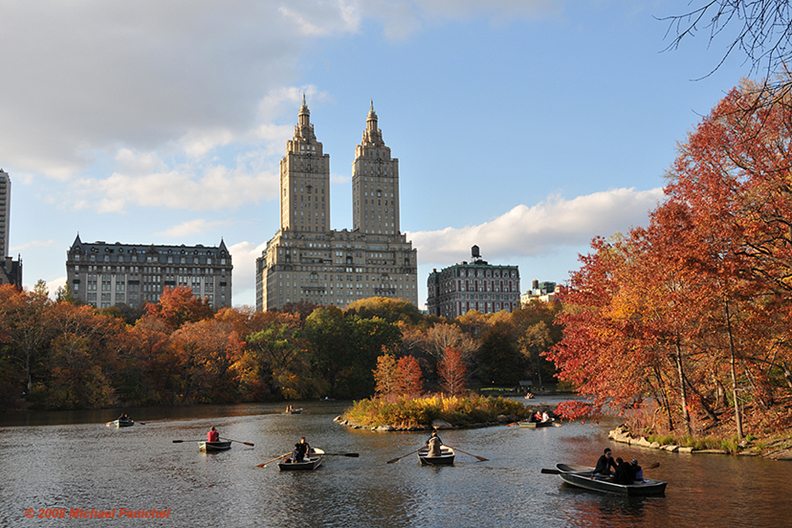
(5,212)
(475,285)
(10,269)
(541,291)
(306,261)
(104,275)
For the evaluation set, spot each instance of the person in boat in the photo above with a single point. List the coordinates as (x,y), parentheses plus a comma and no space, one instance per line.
(637,470)
(625,474)
(545,417)
(123,417)
(301,450)
(434,445)
(536,417)
(605,463)
(433,436)
(213,435)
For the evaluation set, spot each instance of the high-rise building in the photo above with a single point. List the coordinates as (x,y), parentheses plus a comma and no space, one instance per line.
(475,285)
(10,269)
(103,275)
(306,261)
(5,212)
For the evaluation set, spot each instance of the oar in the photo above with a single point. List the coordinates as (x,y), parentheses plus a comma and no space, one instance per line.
(399,458)
(180,441)
(559,472)
(354,455)
(237,441)
(471,454)
(274,459)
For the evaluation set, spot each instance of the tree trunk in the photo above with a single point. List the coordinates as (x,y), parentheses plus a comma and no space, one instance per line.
(733,361)
(682,389)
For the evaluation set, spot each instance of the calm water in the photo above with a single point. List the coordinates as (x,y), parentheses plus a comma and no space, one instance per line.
(71,460)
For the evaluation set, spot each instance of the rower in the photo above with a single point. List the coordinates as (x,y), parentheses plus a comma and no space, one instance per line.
(434,435)
(604,463)
(213,435)
(301,449)
(434,444)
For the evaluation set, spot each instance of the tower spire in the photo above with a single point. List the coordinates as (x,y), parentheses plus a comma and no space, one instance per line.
(372,136)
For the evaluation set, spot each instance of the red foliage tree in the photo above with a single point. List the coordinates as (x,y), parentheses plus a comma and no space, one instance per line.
(452,372)
(409,377)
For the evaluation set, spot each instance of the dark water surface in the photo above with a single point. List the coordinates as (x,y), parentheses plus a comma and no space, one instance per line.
(72,460)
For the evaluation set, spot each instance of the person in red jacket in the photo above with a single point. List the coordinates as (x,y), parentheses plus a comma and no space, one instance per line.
(213,435)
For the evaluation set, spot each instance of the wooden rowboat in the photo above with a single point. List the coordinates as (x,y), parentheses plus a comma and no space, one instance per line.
(211,447)
(583,477)
(121,423)
(312,461)
(534,425)
(293,411)
(446,457)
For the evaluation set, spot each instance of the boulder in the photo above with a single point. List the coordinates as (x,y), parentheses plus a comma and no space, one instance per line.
(441,424)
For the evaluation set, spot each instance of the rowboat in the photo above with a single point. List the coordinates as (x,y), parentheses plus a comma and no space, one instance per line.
(534,425)
(211,447)
(446,457)
(313,461)
(292,411)
(121,423)
(583,477)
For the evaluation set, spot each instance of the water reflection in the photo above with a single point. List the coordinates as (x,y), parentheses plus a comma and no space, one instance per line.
(71,460)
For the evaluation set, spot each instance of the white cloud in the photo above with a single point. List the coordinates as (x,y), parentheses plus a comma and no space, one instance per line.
(94,77)
(244,255)
(543,228)
(31,245)
(217,188)
(191,227)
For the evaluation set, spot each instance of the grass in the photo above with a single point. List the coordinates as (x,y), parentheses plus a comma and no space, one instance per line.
(420,412)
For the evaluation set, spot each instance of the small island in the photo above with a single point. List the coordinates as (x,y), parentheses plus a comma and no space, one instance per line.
(438,411)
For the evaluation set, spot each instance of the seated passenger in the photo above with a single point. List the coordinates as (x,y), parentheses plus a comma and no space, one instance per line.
(637,469)
(605,463)
(624,472)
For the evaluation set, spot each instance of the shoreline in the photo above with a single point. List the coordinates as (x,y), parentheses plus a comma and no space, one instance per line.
(622,435)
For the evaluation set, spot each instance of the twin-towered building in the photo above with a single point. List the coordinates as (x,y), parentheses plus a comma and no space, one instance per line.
(306,260)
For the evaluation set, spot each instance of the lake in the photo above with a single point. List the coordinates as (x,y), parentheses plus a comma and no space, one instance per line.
(53,463)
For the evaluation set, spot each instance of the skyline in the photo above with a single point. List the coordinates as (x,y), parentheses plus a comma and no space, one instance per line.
(526,128)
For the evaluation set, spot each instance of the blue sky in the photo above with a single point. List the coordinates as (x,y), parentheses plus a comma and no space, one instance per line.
(526,127)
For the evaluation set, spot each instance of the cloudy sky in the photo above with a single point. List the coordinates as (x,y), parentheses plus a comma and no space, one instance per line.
(526,127)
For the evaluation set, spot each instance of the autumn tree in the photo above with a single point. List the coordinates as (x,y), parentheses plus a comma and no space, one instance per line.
(410,380)
(25,329)
(699,300)
(452,372)
(386,377)
(177,306)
